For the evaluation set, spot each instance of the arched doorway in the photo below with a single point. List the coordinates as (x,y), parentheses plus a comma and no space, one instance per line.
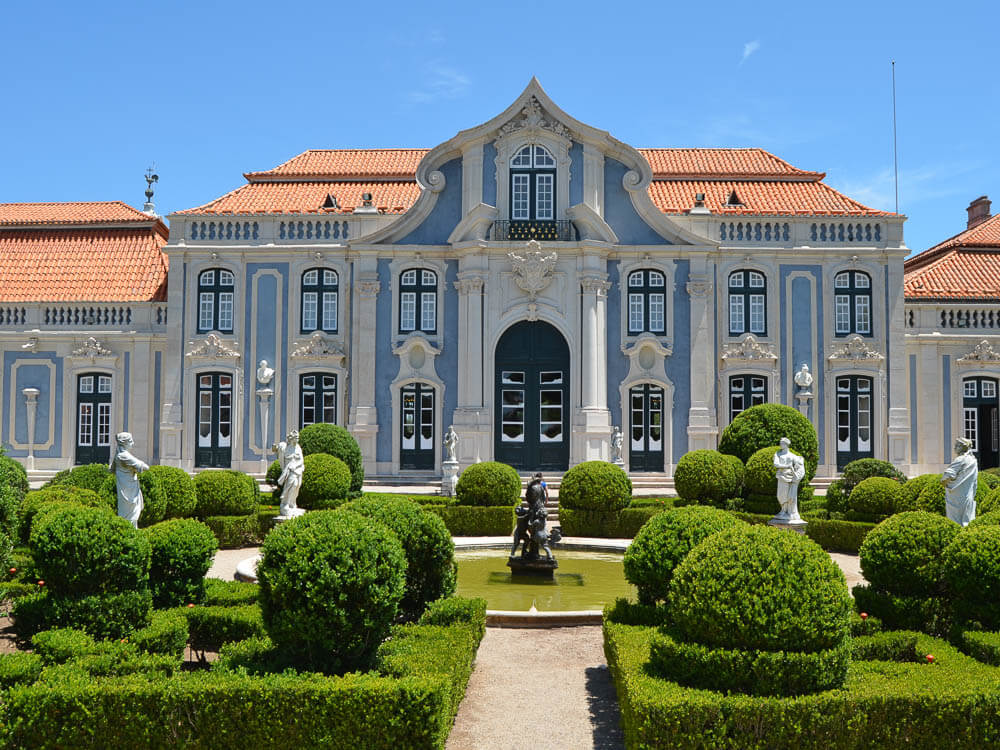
(531,427)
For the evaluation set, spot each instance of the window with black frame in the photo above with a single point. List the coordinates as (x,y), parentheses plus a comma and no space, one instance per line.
(418,301)
(747,303)
(646,302)
(853,303)
(320,298)
(216,289)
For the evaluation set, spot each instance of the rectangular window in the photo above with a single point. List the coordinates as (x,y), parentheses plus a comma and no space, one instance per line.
(427,278)
(655,421)
(638,420)
(309,311)
(104,384)
(512,416)
(428,311)
(656,313)
(970,425)
(329,278)
(85,425)
(225,418)
(409,278)
(519,209)
(512,378)
(308,407)
(989,389)
(736,322)
(550,377)
(104,424)
(842,302)
(757,313)
(87,384)
(206,304)
(225,278)
(205,418)
(969,387)
(862,313)
(329,311)
(635,316)
(225,311)
(426,420)
(407,311)
(543,197)
(550,417)
(409,420)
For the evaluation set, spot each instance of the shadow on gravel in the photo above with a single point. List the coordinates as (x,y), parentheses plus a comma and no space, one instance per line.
(605,718)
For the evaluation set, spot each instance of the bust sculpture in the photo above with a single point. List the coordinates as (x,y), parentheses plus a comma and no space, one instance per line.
(450,444)
(293,465)
(127,468)
(616,444)
(804,378)
(789,469)
(960,480)
(265,374)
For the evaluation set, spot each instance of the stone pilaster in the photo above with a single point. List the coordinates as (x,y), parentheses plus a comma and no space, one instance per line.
(593,428)
(363,413)
(471,419)
(703,429)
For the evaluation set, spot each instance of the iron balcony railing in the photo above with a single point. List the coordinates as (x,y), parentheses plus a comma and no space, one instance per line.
(558,231)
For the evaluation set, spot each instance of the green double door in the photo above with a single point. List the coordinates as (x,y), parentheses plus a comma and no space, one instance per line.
(531,429)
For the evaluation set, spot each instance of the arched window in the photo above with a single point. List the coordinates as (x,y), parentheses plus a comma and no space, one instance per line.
(320,288)
(215,300)
(533,185)
(646,302)
(418,301)
(747,303)
(853,303)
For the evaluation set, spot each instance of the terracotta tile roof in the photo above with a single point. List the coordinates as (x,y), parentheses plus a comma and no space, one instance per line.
(98,212)
(706,163)
(963,267)
(346,163)
(757,197)
(308,198)
(45,258)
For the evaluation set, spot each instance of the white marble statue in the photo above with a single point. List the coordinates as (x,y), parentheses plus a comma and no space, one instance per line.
(127,469)
(616,445)
(960,480)
(265,374)
(804,378)
(451,444)
(789,469)
(293,465)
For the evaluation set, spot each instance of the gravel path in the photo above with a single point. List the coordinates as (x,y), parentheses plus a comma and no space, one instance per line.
(539,688)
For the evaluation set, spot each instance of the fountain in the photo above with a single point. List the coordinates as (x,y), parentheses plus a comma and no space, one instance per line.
(531,535)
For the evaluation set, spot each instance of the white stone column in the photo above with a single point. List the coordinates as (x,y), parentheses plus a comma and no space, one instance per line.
(897,363)
(31,406)
(471,355)
(363,413)
(172,441)
(702,427)
(594,430)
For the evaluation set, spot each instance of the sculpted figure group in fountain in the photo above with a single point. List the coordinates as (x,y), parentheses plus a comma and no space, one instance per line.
(530,533)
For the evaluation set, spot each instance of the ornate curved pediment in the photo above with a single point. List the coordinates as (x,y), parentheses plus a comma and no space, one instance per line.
(855,349)
(982,353)
(748,349)
(92,350)
(319,346)
(212,347)
(532,117)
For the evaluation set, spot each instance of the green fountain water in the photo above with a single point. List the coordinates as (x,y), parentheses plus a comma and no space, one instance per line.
(583,581)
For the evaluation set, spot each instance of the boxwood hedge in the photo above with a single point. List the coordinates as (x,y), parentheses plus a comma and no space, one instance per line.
(595,485)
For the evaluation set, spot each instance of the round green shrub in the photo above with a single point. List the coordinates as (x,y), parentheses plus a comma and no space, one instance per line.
(430,552)
(971,566)
(273,472)
(760,477)
(154,500)
(708,476)
(987,519)
(225,493)
(325,482)
(664,541)
(489,483)
(180,496)
(864,468)
(595,485)
(64,493)
(104,616)
(875,496)
(334,440)
(14,476)
(85,551)
(902,555)
(836,497)
(181,554)
(763,426)
(911,490)
(330,586)
(10,512)
(932,495)
(89,477)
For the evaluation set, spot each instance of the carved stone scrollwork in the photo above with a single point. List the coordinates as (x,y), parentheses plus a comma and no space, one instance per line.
(855,349)
(212,347)
(319,346)
(748,348)
(594,285)
(533,116)
(92,349)
(470,285)
(368,289)
(533,269)
(699,287)
(983,352)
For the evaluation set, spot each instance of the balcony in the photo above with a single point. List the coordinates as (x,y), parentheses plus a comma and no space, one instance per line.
(551,231)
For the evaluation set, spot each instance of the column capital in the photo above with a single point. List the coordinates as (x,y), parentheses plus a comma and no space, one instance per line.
(470,285)
(594,285)
(699,287)
(368,289)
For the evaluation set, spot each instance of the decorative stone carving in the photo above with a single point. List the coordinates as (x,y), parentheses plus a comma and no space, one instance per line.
(92,349)
(533,269)
(748,348)
(368,289)
(533,116)
(212,347)
(617,440)
(647,353)
(855,349)
(319,346)
(804,378)
(594,285)
(699,287)
(265,374)
(470,285)
(983,352)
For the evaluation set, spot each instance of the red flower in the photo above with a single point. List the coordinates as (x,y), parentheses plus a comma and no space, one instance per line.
(930,658)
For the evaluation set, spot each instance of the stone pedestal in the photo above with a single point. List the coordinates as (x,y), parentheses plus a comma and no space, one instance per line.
(449,478)
(620,463)
(804,397)
(293,513)
(788,524)
(264,404)
(539,567)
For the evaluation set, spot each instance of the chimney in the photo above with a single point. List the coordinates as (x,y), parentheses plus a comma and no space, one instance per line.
(979,211)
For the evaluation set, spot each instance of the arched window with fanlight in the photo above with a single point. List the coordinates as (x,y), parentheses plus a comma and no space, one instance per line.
(853,303)
(747,302)
(216,288)
(320,291)
(532,184)
(646,302)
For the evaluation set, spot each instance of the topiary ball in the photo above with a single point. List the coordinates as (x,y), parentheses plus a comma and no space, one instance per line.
(13,475)
(932,494)
(836,498)
(325,482)
(224,493)
(708,476)
(971,565)
(85,551)
(88,477)
(595,485)
(760,477)
(902,555)
(330,586)
(863,468)
(489,483)
(875,496)
(911,489)
(664,541)
(181,554)
(334,440)
(35,500)
(181,498)
(430,552)
(763,426)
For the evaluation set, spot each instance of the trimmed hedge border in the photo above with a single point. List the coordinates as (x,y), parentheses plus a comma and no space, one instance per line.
(475,520)
(981,645)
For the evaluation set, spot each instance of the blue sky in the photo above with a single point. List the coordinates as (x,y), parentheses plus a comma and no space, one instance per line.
(95,92)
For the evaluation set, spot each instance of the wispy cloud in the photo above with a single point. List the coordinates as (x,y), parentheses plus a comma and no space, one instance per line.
(749,48)
(926,183)
(439,81)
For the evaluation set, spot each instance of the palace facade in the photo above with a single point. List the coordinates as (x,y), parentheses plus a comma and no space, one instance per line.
(532,281)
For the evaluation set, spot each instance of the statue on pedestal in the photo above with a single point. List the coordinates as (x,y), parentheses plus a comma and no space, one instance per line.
(789,470)
(960,480)
(530,533)
(804,378)
(617,439)
(450,444)
(293,465)
(265,374)
(127,469)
